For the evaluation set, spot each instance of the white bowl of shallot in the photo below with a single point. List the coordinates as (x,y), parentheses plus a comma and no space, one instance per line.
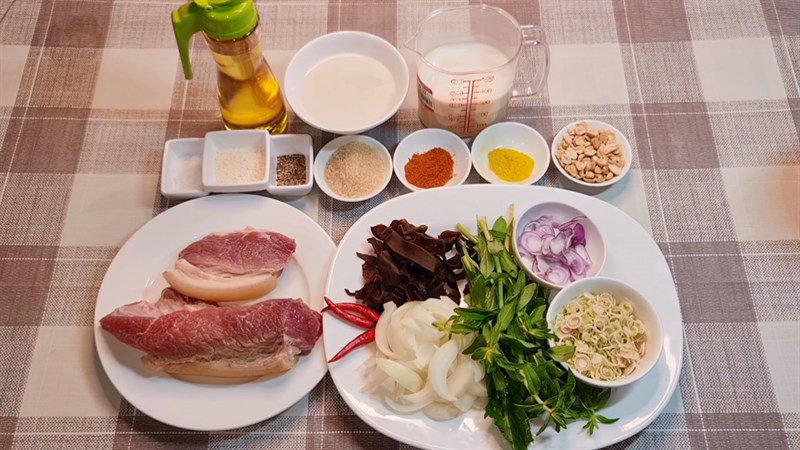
(557,244)
(614,330)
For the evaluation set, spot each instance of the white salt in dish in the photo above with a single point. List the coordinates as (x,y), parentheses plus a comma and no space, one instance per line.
(182,169)
(218,143)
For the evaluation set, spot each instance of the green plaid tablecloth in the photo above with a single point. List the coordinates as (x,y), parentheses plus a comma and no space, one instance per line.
(706,91)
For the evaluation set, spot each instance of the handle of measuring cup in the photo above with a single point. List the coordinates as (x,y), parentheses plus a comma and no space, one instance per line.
(534,64)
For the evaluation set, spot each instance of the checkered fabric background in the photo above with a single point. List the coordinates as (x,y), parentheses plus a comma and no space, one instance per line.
(706,91)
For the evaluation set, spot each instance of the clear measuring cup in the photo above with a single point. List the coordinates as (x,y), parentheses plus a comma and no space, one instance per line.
(470,61)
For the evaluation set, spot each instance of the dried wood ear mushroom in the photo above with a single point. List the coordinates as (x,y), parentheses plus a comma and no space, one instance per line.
(591,155)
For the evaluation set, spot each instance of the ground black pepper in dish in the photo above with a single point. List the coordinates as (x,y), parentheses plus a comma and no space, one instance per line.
(291,170)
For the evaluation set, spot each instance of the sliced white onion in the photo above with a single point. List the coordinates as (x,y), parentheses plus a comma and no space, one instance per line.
(424,354)
(480,371)
(399,341)
(478,389)
(404,408)
(441,411)
(401,374)
(462,376)
(417,367)
(411,325)
(424,394)
(442,309)
(382,330)
(374,381)
(369,365)
(464,403)
(423,319)
(440,365)
(399,391)
(464,340)
(388,385)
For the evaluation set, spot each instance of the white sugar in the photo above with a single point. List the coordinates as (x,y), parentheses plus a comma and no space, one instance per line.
(240,165)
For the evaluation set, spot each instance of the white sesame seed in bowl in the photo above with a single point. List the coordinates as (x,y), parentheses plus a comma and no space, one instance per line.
(360,174)
(584,145)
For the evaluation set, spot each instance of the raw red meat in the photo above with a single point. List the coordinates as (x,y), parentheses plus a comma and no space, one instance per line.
(240,252)
(240,265)
(177,330)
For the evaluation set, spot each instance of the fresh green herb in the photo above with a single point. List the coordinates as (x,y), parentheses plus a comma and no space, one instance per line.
(508,313)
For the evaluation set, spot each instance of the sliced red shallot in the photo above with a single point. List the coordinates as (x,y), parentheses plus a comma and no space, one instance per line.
(557,249)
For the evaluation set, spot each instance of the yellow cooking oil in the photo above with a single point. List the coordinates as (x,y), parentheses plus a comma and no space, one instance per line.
(249,94)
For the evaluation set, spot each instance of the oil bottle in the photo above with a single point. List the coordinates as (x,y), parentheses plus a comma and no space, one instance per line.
(249,95)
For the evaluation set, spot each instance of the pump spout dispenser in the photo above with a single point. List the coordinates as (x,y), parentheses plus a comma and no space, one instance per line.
(249,94)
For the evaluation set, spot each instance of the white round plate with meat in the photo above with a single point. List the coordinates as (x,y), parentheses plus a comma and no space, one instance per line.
(202,366)
(633,257)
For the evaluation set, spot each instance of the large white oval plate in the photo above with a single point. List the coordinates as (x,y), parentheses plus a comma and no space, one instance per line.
(632,257)
(135,273)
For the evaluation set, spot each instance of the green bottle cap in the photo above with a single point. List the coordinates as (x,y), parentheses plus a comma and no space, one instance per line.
(220,19)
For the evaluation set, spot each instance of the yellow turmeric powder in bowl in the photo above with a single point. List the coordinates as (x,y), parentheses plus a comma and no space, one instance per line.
(511,165)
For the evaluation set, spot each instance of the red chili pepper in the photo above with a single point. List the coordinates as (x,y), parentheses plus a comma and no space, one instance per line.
(364,310)
(350,317)
(360,340)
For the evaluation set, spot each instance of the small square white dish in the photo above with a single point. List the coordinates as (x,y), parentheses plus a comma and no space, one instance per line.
(233,139)
(290,144)
(182,169)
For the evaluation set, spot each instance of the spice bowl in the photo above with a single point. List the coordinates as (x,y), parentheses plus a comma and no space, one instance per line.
(627,153)
(285,145)
(422,141)
(326,152)
(642,309)
(245,152)
(182,169)
(514,136)
(560,212)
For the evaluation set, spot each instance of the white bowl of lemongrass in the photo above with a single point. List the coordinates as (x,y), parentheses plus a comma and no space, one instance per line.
(613,328)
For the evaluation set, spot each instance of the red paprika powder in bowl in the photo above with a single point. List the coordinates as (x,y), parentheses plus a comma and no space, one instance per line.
(432,158)
(433,168)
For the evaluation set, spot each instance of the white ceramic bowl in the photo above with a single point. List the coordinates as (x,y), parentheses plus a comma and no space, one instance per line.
(595,245)
(642,309)
(426,139)
(512,135)
(176,152)
(338,43)
(233,139)
(290,144)
(325,154)
(593,124)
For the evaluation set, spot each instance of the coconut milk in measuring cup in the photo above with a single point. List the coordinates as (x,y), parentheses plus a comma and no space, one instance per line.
(471,61)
